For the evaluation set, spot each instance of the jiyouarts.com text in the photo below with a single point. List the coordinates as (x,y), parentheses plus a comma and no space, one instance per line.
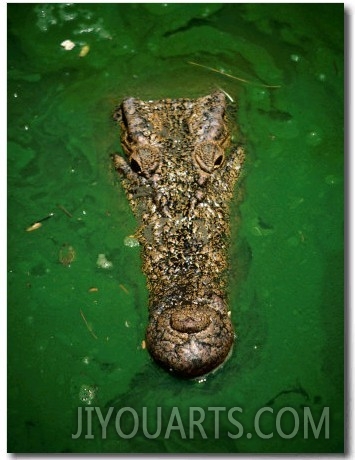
(202,422)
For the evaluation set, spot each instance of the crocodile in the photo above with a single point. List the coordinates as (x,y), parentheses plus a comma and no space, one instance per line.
(178,174)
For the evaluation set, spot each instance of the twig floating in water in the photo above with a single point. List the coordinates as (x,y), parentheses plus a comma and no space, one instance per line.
(62,208)
(124,289)
(89,328)
(232,76)
(38,223)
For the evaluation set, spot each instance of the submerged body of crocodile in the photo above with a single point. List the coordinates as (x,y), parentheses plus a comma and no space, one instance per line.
(179,180)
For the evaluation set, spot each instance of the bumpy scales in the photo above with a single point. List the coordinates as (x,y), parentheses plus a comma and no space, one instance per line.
(179,181)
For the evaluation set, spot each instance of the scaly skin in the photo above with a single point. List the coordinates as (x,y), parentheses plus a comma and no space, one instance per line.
(179,181)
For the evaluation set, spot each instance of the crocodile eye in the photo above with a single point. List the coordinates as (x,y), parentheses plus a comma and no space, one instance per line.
(145,160)
(218,161)
(208,156)
(135,166)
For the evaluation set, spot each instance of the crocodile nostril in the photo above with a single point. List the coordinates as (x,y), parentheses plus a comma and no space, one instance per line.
(189,320)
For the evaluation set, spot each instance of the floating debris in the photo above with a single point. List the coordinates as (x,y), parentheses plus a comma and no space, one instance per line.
(67,254)
(62,208)
(228,95)
(102,262)
(68,45)
(38,223)
(232,76)
(87,393)
(93,289)
(131,241)
(89,327)
(34,226)
(124,289)
(295,57)
(84,51)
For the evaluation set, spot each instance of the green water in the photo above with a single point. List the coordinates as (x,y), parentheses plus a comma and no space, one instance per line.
(69,346)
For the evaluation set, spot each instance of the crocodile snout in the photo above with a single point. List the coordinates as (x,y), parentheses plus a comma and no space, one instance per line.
(190,341)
